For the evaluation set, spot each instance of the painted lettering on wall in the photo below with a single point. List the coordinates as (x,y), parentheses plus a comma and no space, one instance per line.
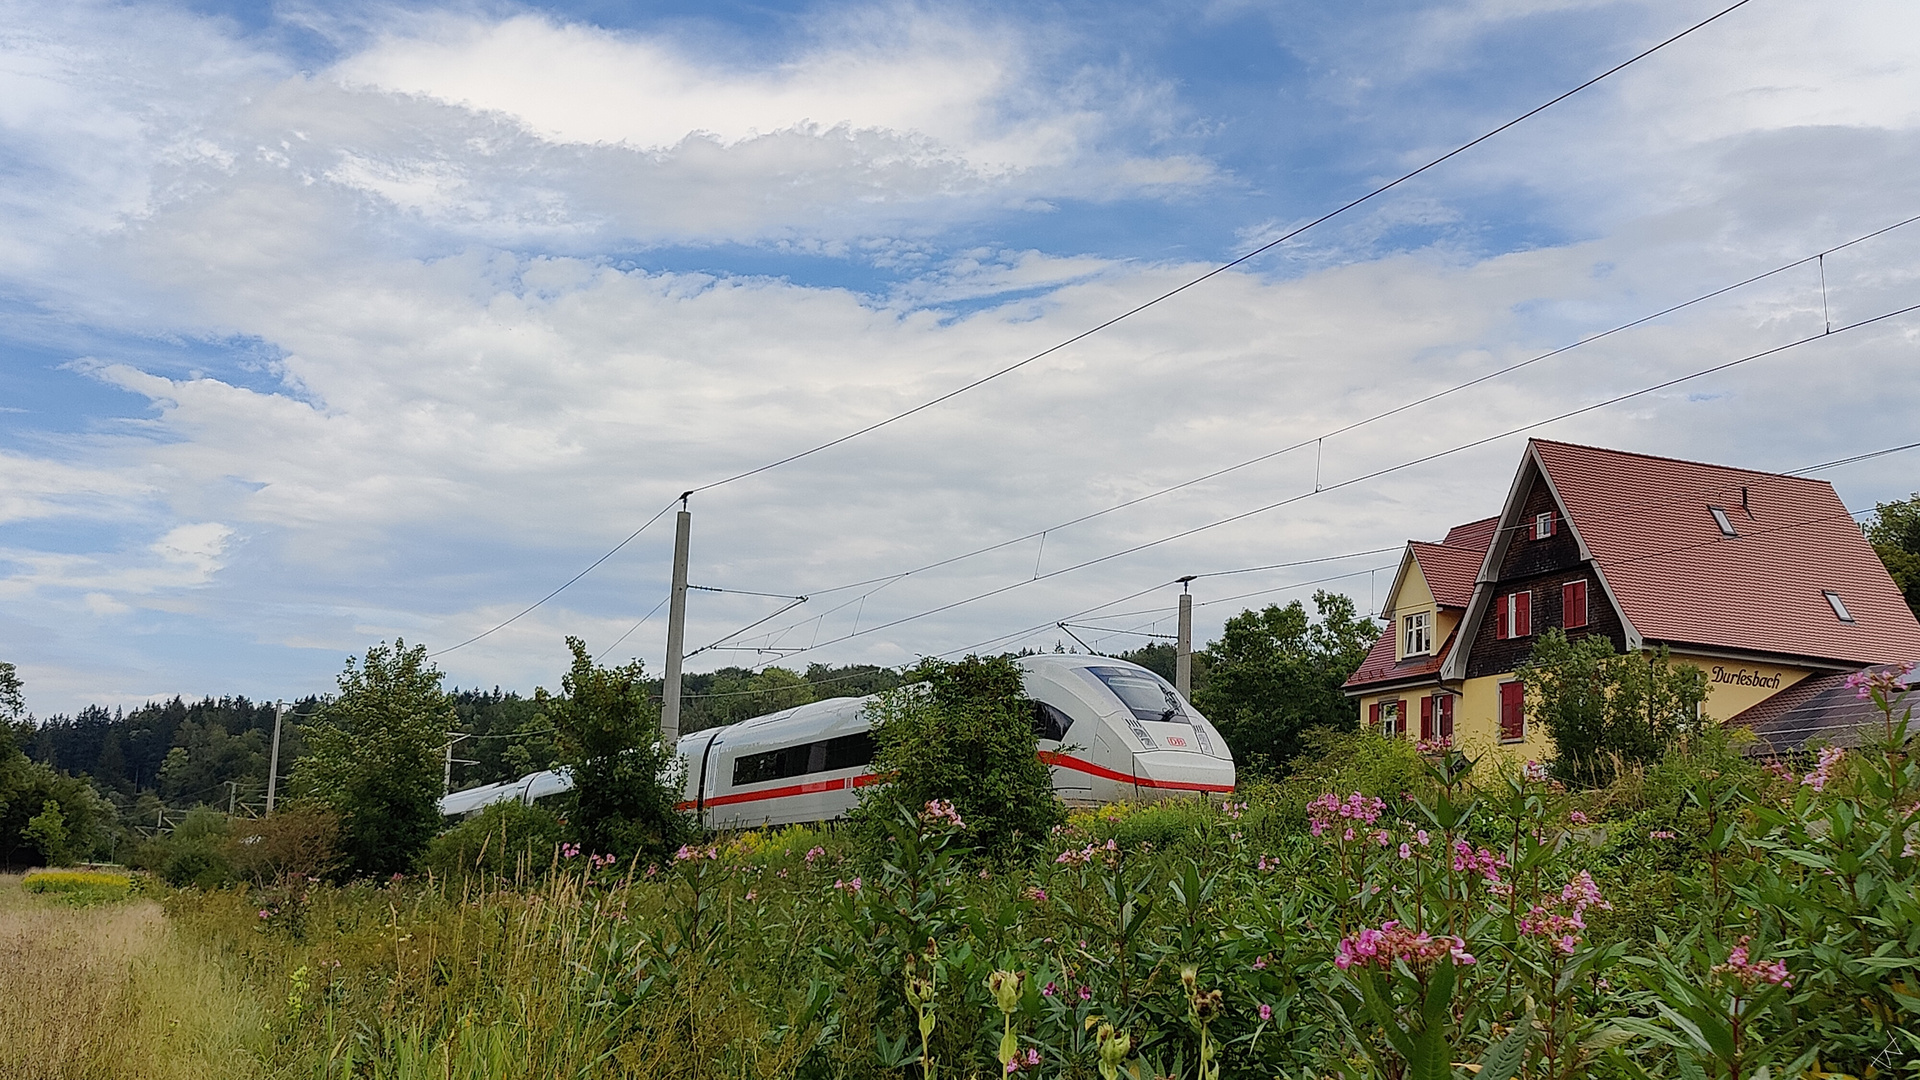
(1743,677)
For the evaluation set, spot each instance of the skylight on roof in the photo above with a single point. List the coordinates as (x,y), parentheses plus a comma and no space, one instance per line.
(1720,518)
(1839,606)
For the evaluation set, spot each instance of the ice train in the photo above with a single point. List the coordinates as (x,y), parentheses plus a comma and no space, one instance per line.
(1111,730)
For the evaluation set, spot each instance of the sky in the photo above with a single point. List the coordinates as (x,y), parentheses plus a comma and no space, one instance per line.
(326,325)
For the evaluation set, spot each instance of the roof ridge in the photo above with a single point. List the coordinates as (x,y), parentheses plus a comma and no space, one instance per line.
(1673,460)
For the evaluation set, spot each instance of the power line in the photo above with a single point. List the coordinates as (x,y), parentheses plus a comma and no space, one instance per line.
(889,579)
(1224,267)
(1377,473)
(1129,313)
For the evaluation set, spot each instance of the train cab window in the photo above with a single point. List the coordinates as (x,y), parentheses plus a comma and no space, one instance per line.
(1143,693)
(1049,722)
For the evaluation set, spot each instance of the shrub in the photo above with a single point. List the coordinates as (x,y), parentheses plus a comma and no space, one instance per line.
(965,736)
(506,840)
(626,777)
(81,886)
(1604,709)
(193,855)
(374,758)
(301,841)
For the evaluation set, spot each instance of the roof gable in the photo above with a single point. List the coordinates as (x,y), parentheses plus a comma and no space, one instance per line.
(1645,524)
(1449,570)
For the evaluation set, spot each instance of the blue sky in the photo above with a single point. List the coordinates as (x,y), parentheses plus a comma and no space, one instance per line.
(321,325)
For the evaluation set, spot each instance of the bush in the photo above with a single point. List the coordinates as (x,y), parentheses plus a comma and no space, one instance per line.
(506,840)
(626,777)
(964,735)
(81,886)
(301,841)
(193,855)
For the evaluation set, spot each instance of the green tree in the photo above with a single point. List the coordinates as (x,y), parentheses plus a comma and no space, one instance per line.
(1275,674)
(1895,535)
(47,832)
(627,779)
(373,757)
(40,807)
(964,734)
(1604,708)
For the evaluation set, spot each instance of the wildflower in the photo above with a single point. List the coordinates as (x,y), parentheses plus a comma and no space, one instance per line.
(1048,990)
(851,888)
(1421,836)
(941,812)
(1562,923)
(265,914)
(1822,773)
(1660,834)
(1086,993)
(1266,1011)
(1260,964)
(1433,746)
(1751,972)
(1322,811)
(752,895)
(1488,864)
(1534,772)
(1382,837)
(1577,818)
(815,852)
(1405,851)
(1036,894)
(570,851)
(1890,681)
(1396,942)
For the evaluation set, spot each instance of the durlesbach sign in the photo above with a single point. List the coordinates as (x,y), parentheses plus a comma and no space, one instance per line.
(1743,677)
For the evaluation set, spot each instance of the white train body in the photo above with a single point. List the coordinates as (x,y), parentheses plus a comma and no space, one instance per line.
(1111,731)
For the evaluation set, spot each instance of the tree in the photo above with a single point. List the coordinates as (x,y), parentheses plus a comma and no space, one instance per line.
(964,734)
(373,757)
(43,813)
(1603,708)
(1895,536)
(1275,674)
(627,779)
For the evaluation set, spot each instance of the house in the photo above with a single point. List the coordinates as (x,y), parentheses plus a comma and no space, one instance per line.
(1762,580)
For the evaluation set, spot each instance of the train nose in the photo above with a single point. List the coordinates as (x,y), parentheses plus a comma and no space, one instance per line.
(1173,770)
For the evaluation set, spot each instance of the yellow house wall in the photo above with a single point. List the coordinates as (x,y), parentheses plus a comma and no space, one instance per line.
(1732,687)
(1413,595)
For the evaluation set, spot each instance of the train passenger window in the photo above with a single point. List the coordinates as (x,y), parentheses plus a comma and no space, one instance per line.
(845,752)
(1143,693)
(1049,722)
(849,751)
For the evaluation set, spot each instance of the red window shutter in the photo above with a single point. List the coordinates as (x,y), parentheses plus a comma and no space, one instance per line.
(1373,717)
(1513,717)
(1500,628)
(1573,603)
(1400,718)
(1446,716)
(1426,718)
(1522,613)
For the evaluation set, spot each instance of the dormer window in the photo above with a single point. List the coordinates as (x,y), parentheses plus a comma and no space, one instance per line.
(1416,634)
(1838,605)
(1720,518)
(1543,525)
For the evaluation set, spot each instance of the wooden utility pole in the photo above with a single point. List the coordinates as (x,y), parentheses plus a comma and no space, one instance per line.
(676,626)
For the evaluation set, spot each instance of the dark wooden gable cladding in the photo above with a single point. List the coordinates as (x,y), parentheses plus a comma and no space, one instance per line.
(1541,566)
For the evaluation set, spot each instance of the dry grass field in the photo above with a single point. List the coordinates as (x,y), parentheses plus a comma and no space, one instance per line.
(111,990)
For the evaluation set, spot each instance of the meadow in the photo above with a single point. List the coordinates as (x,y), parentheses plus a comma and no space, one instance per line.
(1383,913)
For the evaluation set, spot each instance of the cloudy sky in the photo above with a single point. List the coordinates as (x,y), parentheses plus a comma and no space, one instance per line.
(326,324)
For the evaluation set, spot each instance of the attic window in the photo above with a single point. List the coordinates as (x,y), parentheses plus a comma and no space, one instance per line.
(1839,607)
(1543,525)
(1726,524)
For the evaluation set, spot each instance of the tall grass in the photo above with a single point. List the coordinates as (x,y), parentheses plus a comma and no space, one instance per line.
(112,991)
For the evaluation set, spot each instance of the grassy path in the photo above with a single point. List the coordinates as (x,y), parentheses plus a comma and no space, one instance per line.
(111,990)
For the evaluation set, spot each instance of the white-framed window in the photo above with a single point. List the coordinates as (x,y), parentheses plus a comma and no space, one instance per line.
(1838,605)
(1416,637)
(1543,525)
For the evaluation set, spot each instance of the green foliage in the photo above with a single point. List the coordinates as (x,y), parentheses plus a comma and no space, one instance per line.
(47,831)
(194,855)
(964,735)
(1275,675)
(731,695)
(374,758)
(507,840)
(627,779)
(300,842)
(1895,535)
(13,702)
(1605,709)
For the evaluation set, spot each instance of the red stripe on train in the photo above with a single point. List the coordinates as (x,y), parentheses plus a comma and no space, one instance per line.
(1088,767)
(1063,760)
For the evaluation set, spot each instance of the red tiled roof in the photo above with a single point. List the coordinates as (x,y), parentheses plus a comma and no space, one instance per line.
(1678,579)
(1379,667)
(1474,534)
(1450,570)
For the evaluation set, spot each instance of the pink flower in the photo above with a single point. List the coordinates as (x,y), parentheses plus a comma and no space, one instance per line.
(752,895)
(1660,834)
(1488,864)
(815,852)
(569,851)
(1750,972)
(1036,894)
(1380,948)
(1266,1011)
(1577,818)
(265,914)
(941,812)
(1047,990)
(1822,773)
(1405,851)
(1322,811)
(1086,993)
(1534,772)
(1260,964)
(851,888)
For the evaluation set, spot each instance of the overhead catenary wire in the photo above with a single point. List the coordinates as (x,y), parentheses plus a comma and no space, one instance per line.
(1121,317)
(1377,473)
(1230,264)
(1317,441)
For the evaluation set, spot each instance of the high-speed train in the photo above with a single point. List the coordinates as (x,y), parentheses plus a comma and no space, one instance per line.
(1111,730)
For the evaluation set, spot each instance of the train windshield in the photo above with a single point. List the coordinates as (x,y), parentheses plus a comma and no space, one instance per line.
(1144,694)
